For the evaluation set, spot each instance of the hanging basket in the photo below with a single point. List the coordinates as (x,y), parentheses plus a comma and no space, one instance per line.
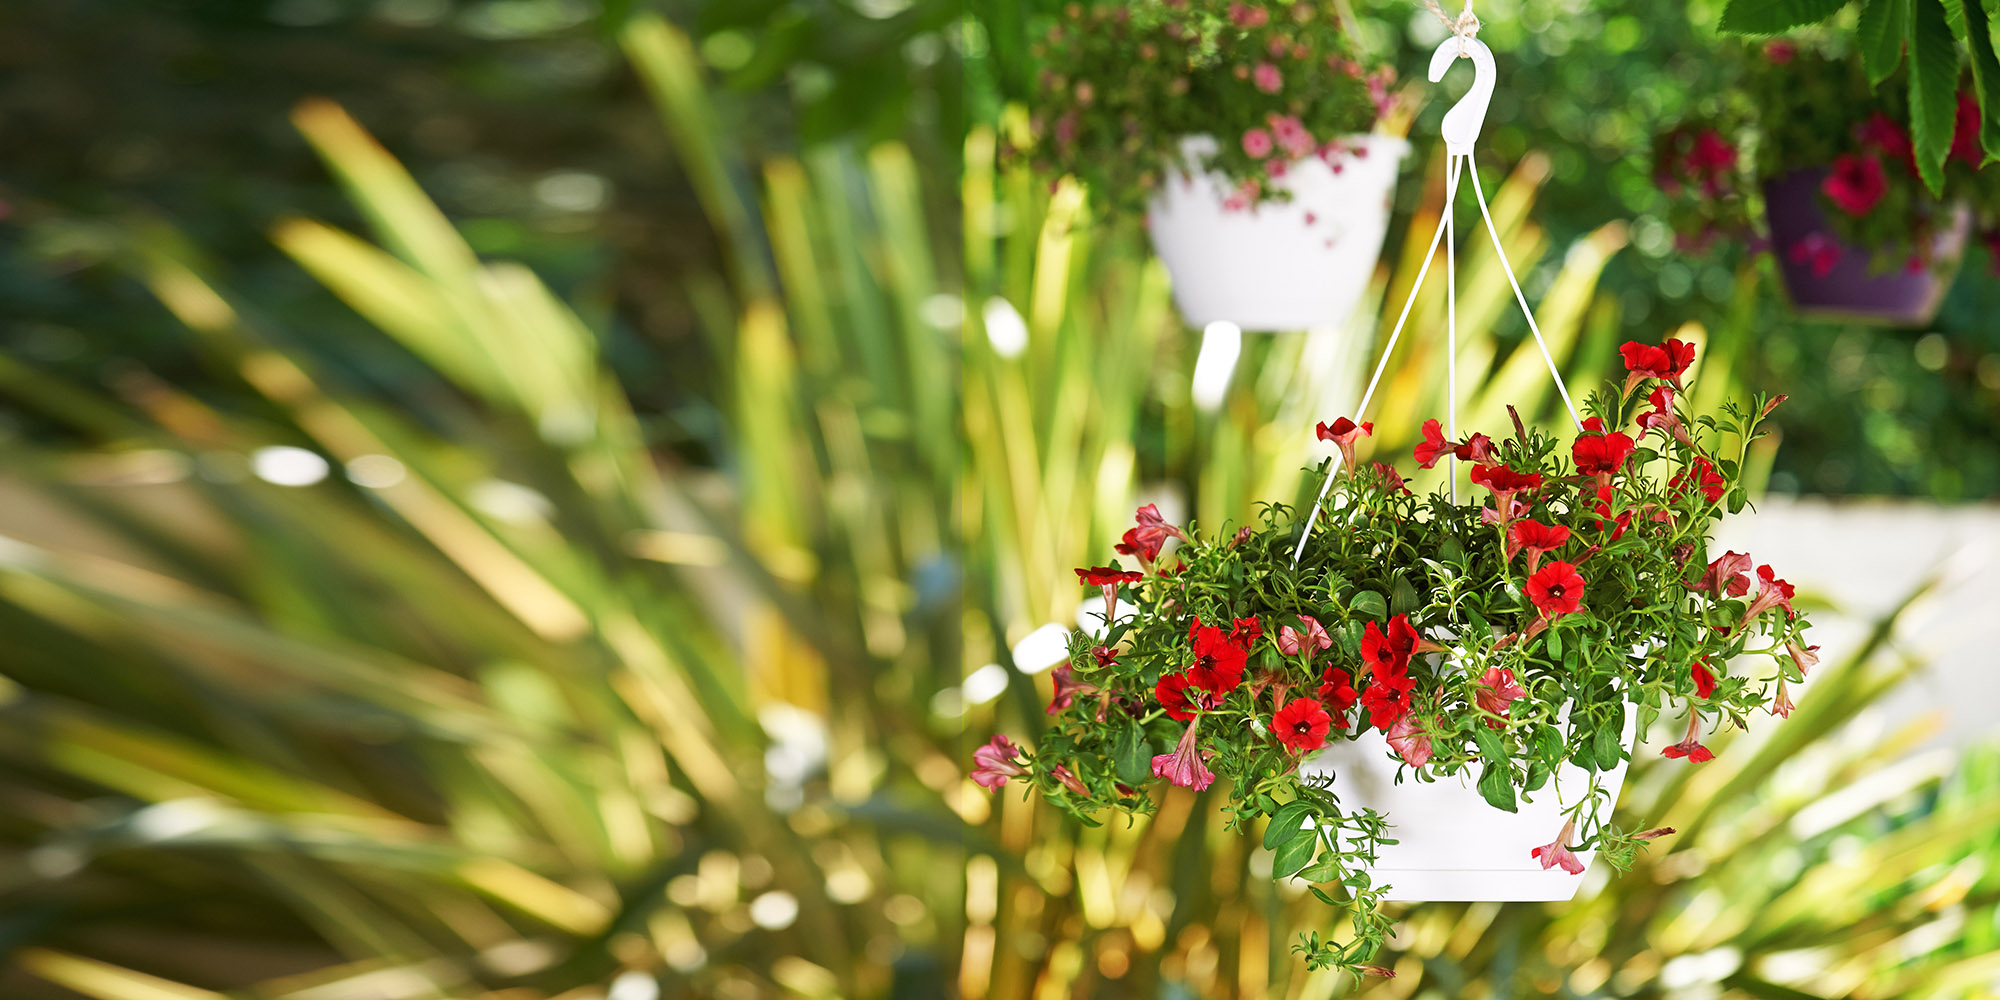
(1826,278)
(1278,265)
(1451,846)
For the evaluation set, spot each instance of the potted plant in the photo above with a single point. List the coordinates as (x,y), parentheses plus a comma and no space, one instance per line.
(1243,129)
(1856,233)
(1438,698)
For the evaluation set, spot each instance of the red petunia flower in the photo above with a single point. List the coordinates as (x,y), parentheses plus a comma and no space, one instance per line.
(1668,361)
(1151,533)
(1496,690)
(1771,593)
(1104,657)
(1390,651)
(1292,642)
(1184,766)
(1700,474)
(1856,184)
(1387,698)
(1108,579)
(1557,852)
(1704,682)
(1432,447)
(1336,693)
(1535,538)
(1727,576)
(1171,691)
(996,762)
(1218,662)
(1409,742)
(1344,433)
(1301,725)
(1618,525)
(1245,631)
(1599,452)
(1392,481)
(1476,448)
(1504,482)
(1690,745)
(1556,589)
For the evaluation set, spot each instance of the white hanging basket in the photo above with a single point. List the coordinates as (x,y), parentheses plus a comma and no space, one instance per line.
(1278,265)
(1450,844)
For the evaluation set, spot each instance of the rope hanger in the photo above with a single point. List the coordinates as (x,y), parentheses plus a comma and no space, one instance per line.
(1460,129)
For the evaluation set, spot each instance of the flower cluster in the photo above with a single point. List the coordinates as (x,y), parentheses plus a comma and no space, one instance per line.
(1807,110)
(1501,637)
(1273,82)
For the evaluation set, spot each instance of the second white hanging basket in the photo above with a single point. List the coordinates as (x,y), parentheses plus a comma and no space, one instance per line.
(1280,265)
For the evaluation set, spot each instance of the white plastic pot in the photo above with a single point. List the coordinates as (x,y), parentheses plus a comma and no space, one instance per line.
(1278,265)
(1450,844)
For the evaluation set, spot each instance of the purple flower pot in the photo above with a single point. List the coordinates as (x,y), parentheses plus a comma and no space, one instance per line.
(1827,278)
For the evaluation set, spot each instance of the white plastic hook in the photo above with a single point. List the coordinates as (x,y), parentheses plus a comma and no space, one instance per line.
(1462,122)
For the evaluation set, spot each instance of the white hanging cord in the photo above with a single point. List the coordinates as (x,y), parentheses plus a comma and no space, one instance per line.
(1501,252)
(1382,364)
(1456,164)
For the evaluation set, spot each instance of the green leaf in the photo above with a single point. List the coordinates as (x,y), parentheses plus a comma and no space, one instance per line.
(1370,605)
(1293,856)
(1985,75)
(1933,85)
(1538,775)
(1884,25)
(1287,825)
(1479,626)
(1607,746)
(1771,17)
(1132,755)
(1555,644)
(1350,638)
(1490,747)
(1323,870)
(1496,785)
(1403,597)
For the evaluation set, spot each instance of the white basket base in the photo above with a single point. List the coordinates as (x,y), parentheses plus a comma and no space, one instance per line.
(1448,885)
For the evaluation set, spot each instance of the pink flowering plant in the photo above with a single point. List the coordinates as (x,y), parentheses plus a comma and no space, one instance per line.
(1803,107)
(1272,82)
(1494,638)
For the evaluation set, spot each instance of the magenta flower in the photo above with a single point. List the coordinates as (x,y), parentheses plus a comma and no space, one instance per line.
(1856,183)
(1183,767)
(1292,136)
(1267,78)
(1257,143)
(1557,852)
(996,762)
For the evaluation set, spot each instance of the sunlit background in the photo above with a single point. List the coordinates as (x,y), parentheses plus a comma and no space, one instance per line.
(538,499)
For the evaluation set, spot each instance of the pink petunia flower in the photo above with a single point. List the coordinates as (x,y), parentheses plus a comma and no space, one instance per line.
(1557,852)
(1184,766)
